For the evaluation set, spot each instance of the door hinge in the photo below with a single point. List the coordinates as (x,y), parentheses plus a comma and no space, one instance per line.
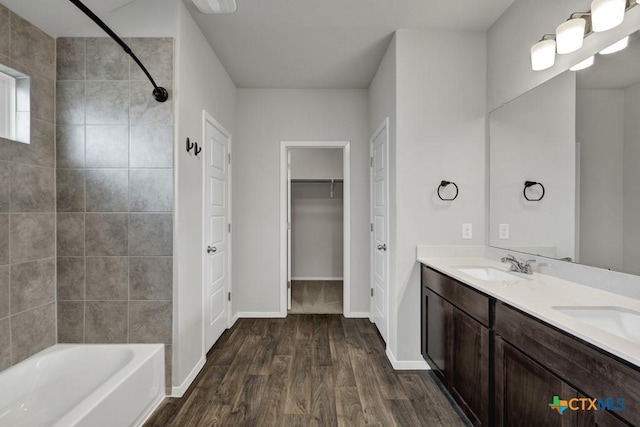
(229,155)
(372,227)
(229,296)
(229,227)
(371,161)
(371,291)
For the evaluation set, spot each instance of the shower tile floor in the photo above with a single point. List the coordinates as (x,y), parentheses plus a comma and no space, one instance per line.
(316,297)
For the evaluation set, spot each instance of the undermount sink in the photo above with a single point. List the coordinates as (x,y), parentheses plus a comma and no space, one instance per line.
(616,320)
(487,273)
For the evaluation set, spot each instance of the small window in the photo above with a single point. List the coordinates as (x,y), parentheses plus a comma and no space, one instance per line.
(15,105)
(7,106)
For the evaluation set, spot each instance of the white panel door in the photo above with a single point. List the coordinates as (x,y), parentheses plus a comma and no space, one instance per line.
(380,228)
(216,152)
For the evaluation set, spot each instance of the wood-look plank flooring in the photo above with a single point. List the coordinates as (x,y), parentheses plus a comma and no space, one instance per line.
(306,370)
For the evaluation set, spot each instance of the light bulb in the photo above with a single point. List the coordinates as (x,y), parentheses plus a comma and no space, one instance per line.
(607,14)
(543,55)
(616,47)
(570,35)
(584,64)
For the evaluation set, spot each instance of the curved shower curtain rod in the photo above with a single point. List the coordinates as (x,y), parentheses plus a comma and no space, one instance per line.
(160,94)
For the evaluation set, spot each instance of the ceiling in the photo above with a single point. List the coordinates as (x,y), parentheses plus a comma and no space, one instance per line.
(319,44)
(327,44)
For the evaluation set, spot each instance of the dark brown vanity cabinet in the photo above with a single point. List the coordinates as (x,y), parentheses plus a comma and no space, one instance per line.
(455,341)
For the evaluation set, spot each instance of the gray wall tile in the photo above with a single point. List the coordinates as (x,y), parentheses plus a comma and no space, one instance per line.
(70,146)
(41,149)
(151,278)
(71,322)
(4,292)
(70,283)
(32,284)
(42,98)
(70,60)
(70,102)
(150,234)
(106,234)
(151,146)
(106,60)
(32,236)
(5,33)
(108,190)
(32,331)
(5,344)
(147,111)
(156,54)
(70,184)
(32,46)
(106,322)
(5,187)
(107,103)
(150,322)
(32,188)
(107,278)
(107,146)
(70,234)
(151,190)
(4,239)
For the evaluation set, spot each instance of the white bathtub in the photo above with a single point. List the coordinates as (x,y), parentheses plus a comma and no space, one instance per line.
(95,385)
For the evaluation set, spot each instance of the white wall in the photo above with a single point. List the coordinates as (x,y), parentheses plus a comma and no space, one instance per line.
(510,38)
(316,231)
(600,118)
(440,135)
(201,83)
(632,180)
(533,139)
(265,118)
(316,163)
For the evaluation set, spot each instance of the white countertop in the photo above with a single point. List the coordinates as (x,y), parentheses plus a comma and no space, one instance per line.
(536,295)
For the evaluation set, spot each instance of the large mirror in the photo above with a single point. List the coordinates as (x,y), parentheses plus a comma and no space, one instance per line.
(565,166)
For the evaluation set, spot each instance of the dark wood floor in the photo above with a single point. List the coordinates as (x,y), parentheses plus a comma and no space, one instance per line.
(305,370)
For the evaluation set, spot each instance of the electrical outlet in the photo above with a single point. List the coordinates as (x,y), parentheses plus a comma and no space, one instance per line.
(467,231)
(503,232)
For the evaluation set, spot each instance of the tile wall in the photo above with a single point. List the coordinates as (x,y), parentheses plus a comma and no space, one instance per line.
(27,200)
(114,193)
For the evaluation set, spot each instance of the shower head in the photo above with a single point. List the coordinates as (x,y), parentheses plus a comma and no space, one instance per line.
(216,6)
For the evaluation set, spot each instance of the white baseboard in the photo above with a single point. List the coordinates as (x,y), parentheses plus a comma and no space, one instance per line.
(357,315)
(234,319)
(180,390)
(406,365)
(259,314)
(318,278)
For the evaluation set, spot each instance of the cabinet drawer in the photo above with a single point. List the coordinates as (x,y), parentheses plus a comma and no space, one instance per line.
(460,295)
(586,368)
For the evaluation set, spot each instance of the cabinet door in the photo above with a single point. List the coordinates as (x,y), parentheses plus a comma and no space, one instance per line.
(469,370)
(525,389)
(436,315)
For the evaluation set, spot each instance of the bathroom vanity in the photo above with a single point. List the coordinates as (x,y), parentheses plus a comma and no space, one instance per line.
(504,344)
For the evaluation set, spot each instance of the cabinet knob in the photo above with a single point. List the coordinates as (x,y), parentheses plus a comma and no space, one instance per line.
(382,247)
(211,249)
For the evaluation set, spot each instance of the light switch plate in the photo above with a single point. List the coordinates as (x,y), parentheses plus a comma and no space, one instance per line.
(467,231)
(503,232)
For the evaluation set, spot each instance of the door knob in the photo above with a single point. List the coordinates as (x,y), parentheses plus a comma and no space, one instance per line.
(382,247)
(211,249)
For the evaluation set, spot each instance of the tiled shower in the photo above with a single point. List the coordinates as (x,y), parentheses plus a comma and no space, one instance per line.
(95,245)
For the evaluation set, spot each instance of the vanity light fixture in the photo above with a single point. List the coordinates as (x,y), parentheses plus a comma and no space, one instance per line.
(543,53)
(607,14)
(616,47)
(570,34)
(584,64)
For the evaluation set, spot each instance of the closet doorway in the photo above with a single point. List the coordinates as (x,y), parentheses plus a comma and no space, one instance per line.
(315,227)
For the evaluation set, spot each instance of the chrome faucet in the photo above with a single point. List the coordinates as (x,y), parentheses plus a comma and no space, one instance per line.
(519,266)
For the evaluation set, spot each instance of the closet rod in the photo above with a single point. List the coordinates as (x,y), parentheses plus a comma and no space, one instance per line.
(328,181)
